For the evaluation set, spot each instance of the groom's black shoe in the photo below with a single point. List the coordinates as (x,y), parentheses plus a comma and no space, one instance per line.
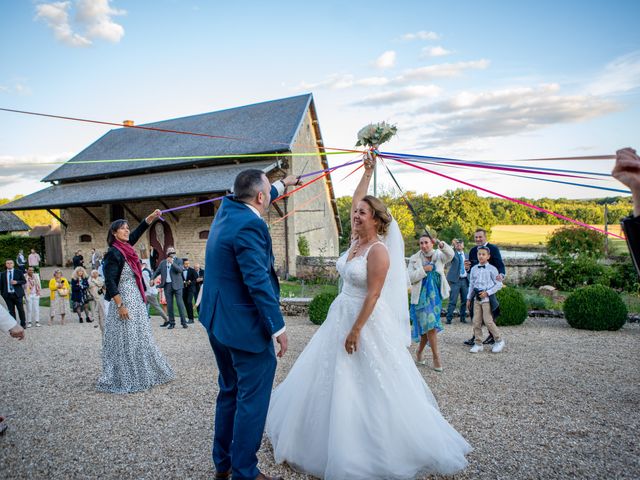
(489,340)
(171,325)
(165,324)
(471,341)
(223,475)
(262,476)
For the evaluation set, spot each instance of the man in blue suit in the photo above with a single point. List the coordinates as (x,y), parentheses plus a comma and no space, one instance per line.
(240,309)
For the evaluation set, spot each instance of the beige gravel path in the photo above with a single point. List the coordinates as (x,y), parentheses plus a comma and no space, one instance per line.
(557,403)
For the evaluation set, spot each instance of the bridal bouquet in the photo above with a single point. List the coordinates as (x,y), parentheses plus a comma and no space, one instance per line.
(375,134)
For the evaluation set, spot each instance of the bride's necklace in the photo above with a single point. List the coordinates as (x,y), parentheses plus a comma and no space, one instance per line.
(357,246)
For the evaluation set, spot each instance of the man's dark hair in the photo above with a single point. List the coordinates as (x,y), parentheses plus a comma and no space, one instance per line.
(480,230)
(486,249)
(248,183)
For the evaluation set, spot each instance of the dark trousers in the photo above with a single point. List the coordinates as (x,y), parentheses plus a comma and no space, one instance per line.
(245,381)
(14,302)
(458,289)
(170,294)
(188,296)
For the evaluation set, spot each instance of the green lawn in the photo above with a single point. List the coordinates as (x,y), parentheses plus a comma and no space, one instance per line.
(298,289)
(537,234)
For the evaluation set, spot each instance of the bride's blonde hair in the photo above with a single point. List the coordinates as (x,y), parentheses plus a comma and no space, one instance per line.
(380,213)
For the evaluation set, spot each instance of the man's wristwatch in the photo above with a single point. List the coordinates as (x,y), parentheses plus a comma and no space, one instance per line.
(120,306)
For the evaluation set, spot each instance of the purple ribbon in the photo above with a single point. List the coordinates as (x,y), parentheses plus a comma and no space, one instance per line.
(221,197)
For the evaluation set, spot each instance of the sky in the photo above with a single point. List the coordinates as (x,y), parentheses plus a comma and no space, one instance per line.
(492,81)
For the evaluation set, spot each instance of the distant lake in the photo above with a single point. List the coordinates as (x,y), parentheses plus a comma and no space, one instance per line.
(521,254)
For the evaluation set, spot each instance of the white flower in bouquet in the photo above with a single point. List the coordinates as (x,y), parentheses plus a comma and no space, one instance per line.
(375,134)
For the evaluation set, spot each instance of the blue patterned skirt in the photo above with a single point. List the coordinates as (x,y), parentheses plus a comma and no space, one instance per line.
(425,315)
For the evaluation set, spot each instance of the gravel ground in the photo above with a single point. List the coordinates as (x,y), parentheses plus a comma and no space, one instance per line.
(557,403)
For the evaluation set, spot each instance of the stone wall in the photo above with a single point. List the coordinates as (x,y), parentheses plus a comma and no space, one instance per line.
(314,217)
(325,267)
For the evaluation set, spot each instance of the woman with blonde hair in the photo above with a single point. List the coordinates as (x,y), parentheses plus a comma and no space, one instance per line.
(354,405)
(80,293)
(60,291)
(96,295)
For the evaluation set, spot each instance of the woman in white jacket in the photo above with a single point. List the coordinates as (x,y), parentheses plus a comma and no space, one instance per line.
(429,287)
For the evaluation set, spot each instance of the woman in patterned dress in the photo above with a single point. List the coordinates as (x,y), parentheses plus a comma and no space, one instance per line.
(429,287)
(80,293)
(131,360)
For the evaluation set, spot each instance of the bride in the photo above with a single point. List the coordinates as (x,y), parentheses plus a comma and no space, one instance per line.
(354,405)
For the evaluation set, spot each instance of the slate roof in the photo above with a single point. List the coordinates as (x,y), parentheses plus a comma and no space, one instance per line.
(10,222)
(162,185)
(268,127)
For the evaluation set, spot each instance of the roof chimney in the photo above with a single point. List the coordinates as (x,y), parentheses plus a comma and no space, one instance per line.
(128,123)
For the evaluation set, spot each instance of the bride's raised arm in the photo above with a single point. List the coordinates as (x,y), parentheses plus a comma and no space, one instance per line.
(363,186)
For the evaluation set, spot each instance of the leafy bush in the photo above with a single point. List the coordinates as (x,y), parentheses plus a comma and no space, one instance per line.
(513,309)
(595,307)
(303,246)
(624,276)
(10,245)
(572,241)
(319,307)
(537,302)
(569,273)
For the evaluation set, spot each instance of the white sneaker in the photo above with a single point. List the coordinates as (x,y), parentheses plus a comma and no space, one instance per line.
(476,348)
(498,346)
(38,324)
(29,325)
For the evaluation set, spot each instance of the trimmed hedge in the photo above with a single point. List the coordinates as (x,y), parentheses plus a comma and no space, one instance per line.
(10,245)
(319,307)
(595,307)
(513,308)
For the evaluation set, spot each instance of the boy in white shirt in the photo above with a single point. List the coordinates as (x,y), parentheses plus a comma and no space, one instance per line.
(482,288)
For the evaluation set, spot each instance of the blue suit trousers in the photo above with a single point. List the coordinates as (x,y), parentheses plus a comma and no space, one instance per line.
(245,381)
(459,288)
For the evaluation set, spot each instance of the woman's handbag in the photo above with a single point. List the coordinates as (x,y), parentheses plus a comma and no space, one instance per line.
(63,292)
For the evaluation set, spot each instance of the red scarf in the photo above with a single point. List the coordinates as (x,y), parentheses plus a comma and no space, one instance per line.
(133,260)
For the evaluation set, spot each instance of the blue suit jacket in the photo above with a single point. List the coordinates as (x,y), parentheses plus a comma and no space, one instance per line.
(240,302)
(453,275)
(495,259)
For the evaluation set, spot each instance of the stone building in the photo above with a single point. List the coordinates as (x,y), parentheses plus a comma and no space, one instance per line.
(131,171)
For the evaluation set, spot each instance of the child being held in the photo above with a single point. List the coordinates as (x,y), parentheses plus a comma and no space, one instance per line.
(482,288)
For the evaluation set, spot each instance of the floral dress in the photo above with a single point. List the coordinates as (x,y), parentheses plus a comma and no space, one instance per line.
(425,315)
(131,360)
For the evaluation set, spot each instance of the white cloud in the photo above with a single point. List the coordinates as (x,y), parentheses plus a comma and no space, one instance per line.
(339,81)
(441,70)
(27,167)
(619,76)
(507,112)
(435,52)
(57,18)
(400,95)
(386,60)
(17,87)
(93,17)
(421,35)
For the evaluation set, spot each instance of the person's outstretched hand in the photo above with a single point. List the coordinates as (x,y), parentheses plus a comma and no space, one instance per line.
(627,168)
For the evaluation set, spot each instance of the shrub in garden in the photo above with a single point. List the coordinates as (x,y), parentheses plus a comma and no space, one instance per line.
(303,246)
(571,241)
(569,273)
(513,308)
(595,307)
(11,244)
(537,302)
(319,307)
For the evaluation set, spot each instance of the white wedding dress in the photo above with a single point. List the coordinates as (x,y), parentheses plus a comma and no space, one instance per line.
(369,415)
